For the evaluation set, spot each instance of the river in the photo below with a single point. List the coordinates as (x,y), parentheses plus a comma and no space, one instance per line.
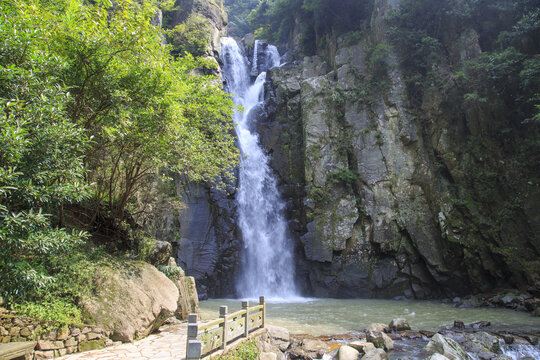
(335,316)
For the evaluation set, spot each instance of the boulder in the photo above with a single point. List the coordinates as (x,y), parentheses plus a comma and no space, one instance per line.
(482,342)
(348,353)
(380,340)
(447,347)
(399,324)
(309,349)
(377,354)
(188,301)
(378,327)
(280,337)
(362,346)
(131,300)
(265,345)
(161,253)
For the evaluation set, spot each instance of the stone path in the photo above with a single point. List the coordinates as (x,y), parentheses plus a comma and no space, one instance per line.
(168,344)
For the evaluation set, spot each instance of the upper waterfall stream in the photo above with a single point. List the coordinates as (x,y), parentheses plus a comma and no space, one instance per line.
(267,261)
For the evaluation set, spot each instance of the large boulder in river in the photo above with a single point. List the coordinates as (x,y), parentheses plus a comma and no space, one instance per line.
(447,347)
(132,299)
(482,342)
(399,324)
(380,340)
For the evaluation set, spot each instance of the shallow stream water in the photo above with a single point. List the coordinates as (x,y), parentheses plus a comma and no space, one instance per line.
(336,316)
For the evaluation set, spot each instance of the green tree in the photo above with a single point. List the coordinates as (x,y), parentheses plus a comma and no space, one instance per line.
(92,105)
(144,109)
(238,11)
(41,158)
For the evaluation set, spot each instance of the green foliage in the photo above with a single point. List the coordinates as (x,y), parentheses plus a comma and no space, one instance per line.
(507,79)
(171,272)
(92,104)
(192,36)
(318,19)
(144,109)
(378,65)
(144,245)
(55,313)
(239,11)
(41,160)
(320,196)
(343,176)
(246,351)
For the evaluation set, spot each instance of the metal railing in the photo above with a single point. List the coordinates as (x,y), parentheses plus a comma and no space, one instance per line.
(206,338)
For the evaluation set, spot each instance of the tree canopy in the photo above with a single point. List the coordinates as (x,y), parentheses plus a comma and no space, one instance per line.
(92,106)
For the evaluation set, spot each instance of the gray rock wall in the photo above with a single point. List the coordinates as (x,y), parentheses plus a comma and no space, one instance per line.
(377,186)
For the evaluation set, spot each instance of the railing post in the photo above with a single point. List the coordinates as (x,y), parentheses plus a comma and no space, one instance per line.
(223,314)
(193,346)
(262,302)
(245,306)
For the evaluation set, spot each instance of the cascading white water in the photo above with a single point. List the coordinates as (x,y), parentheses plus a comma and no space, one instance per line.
(268,266)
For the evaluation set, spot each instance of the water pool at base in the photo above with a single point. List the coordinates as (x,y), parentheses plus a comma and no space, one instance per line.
(335,316)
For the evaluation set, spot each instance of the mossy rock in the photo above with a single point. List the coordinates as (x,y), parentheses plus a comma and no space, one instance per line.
(92,345)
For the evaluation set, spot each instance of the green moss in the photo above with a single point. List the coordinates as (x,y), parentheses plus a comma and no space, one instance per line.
(319,195)
(92,345)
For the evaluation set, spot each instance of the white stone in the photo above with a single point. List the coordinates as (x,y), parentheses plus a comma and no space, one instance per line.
(348,353)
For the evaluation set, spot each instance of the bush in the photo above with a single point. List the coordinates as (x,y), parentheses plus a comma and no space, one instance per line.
(57,312)
(246,351)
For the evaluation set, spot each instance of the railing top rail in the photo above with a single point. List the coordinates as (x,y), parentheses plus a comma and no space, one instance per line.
(236,314)
(253,308)
(210,324)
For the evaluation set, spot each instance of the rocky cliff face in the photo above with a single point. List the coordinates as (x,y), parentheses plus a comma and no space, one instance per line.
(380,203)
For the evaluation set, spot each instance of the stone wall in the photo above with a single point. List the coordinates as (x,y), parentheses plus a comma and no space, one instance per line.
(52,343)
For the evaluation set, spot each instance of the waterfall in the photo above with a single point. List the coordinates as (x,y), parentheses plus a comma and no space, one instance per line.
(267,261)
